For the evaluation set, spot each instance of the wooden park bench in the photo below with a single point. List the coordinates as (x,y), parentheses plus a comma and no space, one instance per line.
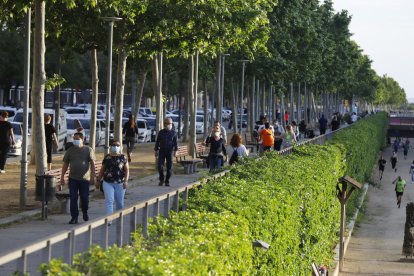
(64,196)
(202,153)
(251,142)
(183,157)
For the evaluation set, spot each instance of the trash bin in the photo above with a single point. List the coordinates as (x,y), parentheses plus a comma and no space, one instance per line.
(50,187)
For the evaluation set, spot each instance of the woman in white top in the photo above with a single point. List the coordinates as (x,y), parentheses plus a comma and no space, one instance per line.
(237,146)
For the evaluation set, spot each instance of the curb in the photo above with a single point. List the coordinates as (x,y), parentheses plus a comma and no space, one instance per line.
(350,228)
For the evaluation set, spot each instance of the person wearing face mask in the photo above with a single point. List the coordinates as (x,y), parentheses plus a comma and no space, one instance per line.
(217,152)
(81,160)
(114,173)
(165,148)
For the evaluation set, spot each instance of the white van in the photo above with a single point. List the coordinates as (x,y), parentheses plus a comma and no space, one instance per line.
(84,112)
(61,128)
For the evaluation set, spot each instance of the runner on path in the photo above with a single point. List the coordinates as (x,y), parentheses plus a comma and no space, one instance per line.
(394,160)
(399,189)
(381,166)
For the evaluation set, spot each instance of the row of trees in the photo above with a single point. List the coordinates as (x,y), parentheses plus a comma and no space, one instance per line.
(292,45)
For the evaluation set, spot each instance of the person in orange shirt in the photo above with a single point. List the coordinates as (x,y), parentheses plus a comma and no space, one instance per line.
(267,137)
(286,117)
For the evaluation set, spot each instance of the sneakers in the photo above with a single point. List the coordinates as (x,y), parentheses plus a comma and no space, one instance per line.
(167,183)
(2,171)
(73,221)
(161,183)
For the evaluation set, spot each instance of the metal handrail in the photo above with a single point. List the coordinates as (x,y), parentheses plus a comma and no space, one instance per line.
(68,237)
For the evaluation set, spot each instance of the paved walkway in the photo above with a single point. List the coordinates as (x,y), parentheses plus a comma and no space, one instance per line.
(376,245)
(19,234)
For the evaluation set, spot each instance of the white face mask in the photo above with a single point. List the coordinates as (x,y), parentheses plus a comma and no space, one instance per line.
(168,127)
(115,149)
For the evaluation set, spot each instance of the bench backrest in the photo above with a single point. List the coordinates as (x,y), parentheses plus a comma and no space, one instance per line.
(249,138)
(200,149)
(58,172)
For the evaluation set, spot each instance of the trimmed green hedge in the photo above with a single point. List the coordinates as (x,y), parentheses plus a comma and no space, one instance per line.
(287,201)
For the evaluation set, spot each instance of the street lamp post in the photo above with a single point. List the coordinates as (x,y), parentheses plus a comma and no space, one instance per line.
(23,171)
(241,99)
(111,21)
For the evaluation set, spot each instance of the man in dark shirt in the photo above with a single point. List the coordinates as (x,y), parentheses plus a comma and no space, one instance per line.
(322,124)
(165,145)
(50,135)
(6,136)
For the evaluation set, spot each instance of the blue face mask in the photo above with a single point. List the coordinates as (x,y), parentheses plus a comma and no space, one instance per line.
(77,143)
(115,149)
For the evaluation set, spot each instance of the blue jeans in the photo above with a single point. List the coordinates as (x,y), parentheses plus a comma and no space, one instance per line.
(78,188)
(113,191)
(167,156)
(216,162)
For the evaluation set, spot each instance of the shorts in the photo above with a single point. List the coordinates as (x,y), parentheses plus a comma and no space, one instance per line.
(399,193)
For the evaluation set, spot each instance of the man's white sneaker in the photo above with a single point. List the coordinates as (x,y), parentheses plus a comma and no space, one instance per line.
(2,171)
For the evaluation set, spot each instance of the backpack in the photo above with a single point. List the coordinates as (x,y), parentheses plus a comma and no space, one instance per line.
(234,157)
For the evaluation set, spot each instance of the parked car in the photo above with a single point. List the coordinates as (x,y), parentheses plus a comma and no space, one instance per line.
(146,112)
(83,112)
(152,127)
(11,110)
(144,131)
(18,139)
(199,124)
(86,125)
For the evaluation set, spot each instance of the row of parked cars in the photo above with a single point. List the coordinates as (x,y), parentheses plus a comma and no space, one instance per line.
(75,117)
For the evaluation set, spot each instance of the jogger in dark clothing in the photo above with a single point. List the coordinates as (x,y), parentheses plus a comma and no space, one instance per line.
(394,161)
(6,137)
(381,166)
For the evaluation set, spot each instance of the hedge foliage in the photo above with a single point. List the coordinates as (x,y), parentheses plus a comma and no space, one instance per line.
(287,201)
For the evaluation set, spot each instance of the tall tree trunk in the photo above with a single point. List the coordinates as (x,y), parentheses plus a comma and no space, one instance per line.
(194,91)
(191,110)
(218,88)
(205,100)
(292,110)
(38,89)
(234,107)
(95,90)
(138,98)
(299,107)
(57,95)
(119,97)
(155,83)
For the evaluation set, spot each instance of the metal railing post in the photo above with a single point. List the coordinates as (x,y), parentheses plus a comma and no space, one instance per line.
(145,221)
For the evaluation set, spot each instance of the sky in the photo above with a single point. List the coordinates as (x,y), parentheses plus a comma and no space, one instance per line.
(384,29)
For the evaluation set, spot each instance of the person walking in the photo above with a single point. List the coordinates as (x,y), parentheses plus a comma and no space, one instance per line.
(322,124)
(81,161)
(399,189)
(394,161)
(51,140)
(223,133)
(396,144)
(114,173)
(130,131)
(286,117)
(335,123)
(217,152)
(6,138)
(381,166)
(267,137)
(412,172)
(288,137)
(406,147)
(239,150)
(165,148)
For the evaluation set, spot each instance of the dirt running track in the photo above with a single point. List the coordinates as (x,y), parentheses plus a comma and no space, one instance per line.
(376,245)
